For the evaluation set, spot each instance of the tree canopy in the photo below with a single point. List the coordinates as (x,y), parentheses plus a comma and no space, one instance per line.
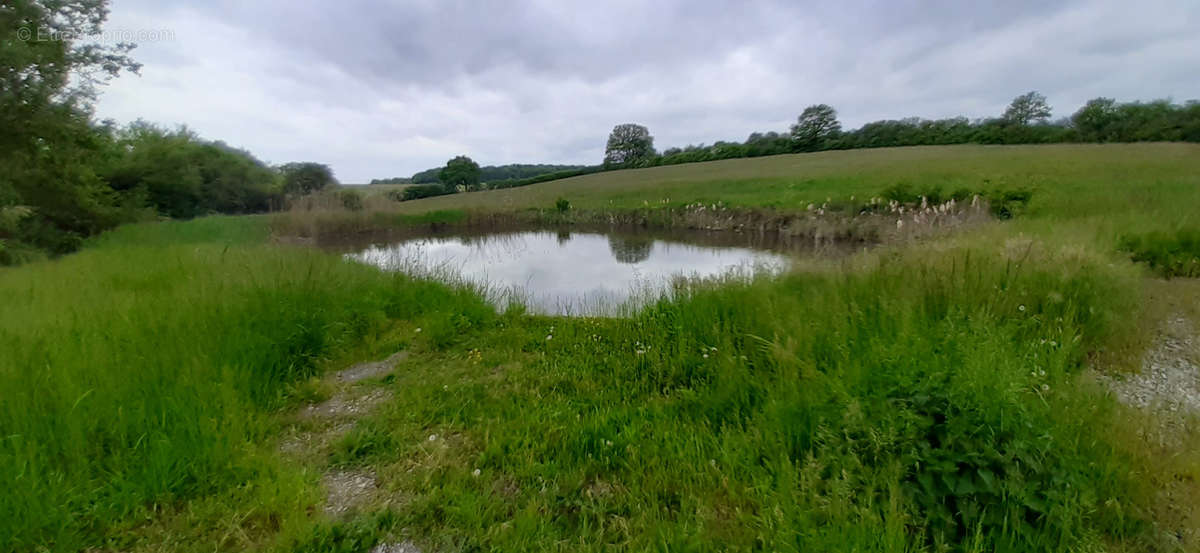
(300,178)
(815,128)
(460,171)
(629,145)
(1027,108)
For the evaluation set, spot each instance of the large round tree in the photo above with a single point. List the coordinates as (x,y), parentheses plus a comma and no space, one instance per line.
(460,171)
(629,145)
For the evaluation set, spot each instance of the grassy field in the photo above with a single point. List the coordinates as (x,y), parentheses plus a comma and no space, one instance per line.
(924,396)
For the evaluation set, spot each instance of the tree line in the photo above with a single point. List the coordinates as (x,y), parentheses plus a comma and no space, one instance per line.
(65,177)
(497,174)
(1025,121)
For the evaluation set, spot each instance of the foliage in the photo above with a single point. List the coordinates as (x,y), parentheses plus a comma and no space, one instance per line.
(393,180)
(419,191)
(1027,108)
(300,178)
(502,175)
(49,151)
(629,145)
(1170,254)
(460,172)
(181,175)
(816,127)
(351,199)
(562,205)
(545,177)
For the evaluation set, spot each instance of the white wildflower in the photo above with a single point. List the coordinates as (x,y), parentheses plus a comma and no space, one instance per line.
(476,472)
(433,437)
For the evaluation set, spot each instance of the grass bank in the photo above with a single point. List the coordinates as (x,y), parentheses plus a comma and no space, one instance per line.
(929,396)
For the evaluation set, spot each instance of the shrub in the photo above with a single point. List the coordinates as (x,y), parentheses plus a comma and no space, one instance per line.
(1170,254)
(351,200)
(423,191)
(562,205)
(1006,204)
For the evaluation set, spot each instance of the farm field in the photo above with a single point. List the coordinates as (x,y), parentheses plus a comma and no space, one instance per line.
(182,386)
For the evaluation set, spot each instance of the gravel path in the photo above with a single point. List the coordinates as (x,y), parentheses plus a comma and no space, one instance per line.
(1170,379)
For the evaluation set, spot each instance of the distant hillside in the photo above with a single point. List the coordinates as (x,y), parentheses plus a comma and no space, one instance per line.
(496,173)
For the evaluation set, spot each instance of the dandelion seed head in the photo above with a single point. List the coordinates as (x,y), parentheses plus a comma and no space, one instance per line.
(476,472)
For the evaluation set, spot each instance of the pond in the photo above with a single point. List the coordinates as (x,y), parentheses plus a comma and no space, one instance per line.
(570,273)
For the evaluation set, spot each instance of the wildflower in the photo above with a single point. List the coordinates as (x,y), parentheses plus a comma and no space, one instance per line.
(549,337)
(1045,387)
(1021,308)
(641,352)
(476,472)
(899,224)
(418,329)
(713,463)
(712,349)
(608,443)
(433,437)
(706,356)
(1053,344)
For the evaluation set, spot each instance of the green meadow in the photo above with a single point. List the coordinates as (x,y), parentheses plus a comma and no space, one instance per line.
(939,394)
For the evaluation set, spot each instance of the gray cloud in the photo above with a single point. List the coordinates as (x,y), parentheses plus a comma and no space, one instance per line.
(385,90)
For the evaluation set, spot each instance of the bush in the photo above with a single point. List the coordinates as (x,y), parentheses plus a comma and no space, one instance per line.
(1006,204)
(423,191)
(562,205)
(1170,254)
(351,199)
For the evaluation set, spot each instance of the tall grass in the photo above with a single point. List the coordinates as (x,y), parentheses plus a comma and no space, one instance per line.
(136,375)
(917,402)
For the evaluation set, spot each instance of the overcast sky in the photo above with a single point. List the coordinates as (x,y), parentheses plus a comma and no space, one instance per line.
(381,89)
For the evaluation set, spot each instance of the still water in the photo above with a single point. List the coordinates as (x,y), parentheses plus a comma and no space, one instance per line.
(568,273)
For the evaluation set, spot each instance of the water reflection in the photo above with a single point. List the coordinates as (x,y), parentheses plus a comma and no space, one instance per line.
(630,250)
(567,273)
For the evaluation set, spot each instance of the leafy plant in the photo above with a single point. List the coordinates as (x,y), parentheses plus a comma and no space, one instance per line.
(1170,254)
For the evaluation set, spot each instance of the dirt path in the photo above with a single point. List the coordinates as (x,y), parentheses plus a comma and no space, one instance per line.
(318,426)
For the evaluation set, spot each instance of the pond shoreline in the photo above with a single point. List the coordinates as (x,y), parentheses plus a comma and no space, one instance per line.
(817,228)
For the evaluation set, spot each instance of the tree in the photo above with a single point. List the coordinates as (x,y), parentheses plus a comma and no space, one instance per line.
(629,145)
(1027,108)
(460,171)
(302,178)
(49,148)
(1094,119)
(815,128)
